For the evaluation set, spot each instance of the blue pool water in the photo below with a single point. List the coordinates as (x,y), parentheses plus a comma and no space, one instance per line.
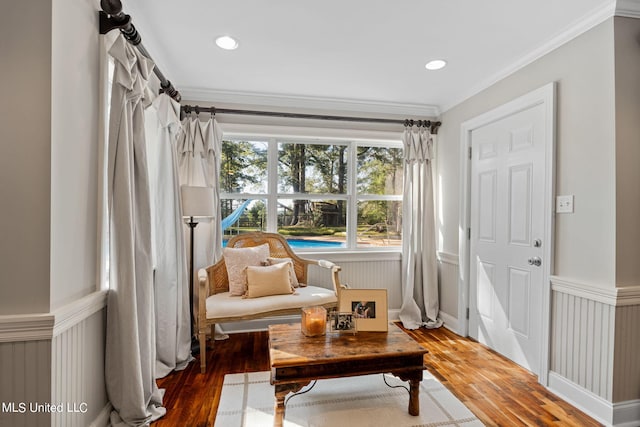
(308,244)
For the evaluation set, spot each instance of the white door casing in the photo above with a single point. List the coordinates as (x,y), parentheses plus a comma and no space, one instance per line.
(508,206)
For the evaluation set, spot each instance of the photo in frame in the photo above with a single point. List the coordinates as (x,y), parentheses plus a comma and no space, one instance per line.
(343,322)
(369,308)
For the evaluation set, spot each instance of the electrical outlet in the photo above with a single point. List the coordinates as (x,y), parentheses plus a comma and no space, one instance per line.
(564,204)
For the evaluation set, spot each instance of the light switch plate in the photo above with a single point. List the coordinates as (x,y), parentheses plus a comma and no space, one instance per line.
(564,204)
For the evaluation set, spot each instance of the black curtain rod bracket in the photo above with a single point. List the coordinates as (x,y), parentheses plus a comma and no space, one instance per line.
(188,109)
(112,17)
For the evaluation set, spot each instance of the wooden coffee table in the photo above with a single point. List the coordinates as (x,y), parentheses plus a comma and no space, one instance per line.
(296,360)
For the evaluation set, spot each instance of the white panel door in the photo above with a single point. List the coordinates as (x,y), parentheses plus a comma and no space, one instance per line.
(507,228)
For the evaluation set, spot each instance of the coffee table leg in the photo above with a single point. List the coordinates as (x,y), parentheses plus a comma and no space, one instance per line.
(414,378)
(278,409)
(281,391)
(414,398)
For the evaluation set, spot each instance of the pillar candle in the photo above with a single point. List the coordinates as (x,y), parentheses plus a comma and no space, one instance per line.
(314,321)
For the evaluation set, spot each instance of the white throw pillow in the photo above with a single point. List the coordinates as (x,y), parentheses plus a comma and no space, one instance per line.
(237,260)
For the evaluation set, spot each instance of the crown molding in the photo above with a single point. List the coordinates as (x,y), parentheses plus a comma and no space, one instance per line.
(612,8)
(307,102)
(628,8)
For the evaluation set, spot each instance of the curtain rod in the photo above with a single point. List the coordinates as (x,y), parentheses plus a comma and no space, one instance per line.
(112,17)
(188,109)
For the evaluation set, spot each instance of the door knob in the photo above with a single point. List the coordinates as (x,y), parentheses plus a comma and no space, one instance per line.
(535,261)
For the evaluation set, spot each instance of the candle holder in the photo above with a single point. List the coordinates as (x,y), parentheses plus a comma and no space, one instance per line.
(314,321)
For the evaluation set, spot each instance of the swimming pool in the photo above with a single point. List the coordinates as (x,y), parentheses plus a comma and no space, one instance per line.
(308,244)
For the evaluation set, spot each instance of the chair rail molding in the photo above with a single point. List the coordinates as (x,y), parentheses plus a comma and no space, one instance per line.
(26,327)
(448,258)
(615,296)
(44,326)
(75,312)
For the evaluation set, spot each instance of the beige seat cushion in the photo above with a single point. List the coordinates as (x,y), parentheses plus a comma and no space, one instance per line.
(224,304)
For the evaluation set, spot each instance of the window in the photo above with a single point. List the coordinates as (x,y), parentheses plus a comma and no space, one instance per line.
(320,194)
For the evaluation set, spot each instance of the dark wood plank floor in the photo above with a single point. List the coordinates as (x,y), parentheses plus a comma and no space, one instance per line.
(499,392)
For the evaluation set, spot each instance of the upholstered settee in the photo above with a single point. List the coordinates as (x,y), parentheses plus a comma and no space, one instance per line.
(219,302)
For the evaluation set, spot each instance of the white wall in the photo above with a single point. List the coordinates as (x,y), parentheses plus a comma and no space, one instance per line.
(626,379)
(595,293)
(74,149)
(627,131)
(585,241)
(25,156)
(51,318)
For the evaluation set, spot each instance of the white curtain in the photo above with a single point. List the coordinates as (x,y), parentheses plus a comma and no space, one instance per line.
(130,344)
(199,151)
(420,304)
(173,342)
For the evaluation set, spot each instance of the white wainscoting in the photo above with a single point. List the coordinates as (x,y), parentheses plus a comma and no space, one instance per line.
(448,276)
(367,270)
(77,367)
(594,348)
(25,377)
(55,358)
(582,340)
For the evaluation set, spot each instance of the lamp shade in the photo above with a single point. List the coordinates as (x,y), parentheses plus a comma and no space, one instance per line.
(197,202)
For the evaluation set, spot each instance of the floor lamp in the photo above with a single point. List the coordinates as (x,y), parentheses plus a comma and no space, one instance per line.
(197,206)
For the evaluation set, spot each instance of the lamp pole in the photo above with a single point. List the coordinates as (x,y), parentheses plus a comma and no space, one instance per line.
(195,345)
(197,202)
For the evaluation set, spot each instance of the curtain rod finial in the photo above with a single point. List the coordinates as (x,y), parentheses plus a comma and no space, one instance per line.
(112,7)
(434,127)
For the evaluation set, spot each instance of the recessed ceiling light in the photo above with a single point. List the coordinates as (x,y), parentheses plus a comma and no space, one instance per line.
(226,42)
(436,64)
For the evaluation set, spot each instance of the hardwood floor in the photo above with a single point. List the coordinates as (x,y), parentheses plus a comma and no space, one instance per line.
(499,392)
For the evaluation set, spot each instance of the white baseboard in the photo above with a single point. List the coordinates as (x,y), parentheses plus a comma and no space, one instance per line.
(450,322)
(621,414)
(102,420)
(589,403)
(626,414)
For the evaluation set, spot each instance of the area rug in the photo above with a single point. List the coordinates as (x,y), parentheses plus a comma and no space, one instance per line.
(366,401)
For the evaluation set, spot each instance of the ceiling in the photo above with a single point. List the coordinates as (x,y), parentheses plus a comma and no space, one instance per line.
(353,53)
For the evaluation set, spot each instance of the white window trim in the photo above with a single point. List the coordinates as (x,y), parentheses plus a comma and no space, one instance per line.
(312,135)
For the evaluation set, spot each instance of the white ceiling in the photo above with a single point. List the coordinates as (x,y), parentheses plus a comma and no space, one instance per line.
(354,52)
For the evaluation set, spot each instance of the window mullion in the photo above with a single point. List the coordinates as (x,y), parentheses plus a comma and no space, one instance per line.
(352,200)
(272,185)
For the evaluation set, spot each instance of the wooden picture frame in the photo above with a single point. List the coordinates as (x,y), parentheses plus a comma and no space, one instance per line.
(369,307)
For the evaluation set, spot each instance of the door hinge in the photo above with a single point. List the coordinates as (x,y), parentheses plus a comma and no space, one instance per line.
(470,153)
(467,312)
(468,233)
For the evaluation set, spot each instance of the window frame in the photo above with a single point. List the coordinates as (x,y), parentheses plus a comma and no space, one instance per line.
(273,135)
